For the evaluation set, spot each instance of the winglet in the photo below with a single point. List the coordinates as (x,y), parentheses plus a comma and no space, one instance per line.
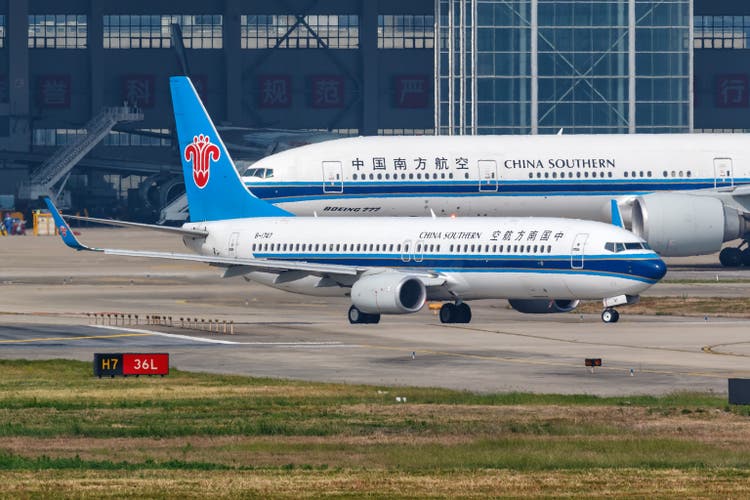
(616,216)
(63,228)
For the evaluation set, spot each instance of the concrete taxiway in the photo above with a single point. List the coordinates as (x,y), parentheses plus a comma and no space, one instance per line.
(47,290)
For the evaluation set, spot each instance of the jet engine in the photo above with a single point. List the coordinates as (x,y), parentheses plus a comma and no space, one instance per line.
(678,225)
(388,293)
(542,306)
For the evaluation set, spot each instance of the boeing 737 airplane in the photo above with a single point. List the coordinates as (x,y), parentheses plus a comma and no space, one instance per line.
(390,265)
(683,194)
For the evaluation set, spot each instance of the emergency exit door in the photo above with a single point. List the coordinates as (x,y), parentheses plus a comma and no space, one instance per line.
(723,172)
(333,177)
(487,175)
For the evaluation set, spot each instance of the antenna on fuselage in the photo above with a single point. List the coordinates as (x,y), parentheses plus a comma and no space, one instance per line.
(560,132)
(432,212)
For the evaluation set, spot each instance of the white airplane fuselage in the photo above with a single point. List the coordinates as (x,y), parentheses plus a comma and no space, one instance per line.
(561,176)
(523,258)
(684,194)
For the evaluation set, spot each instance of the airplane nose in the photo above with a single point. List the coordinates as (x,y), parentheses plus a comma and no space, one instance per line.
(657,269)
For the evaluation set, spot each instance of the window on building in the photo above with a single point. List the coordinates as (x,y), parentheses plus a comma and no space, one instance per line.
(721,32)
(2,31)
(154,31)
(57,31)
(290,32)
(406,32)
(142,139)
(56,136)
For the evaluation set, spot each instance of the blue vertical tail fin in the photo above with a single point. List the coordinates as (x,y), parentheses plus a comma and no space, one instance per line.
(215,190)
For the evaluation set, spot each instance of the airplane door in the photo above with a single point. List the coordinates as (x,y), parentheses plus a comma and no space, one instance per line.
(333,177)
(723,172)
(576,252)
(233,243)
(406,251)
(487,175)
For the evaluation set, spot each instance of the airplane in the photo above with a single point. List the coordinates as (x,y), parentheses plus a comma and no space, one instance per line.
(683,194)
(389,265)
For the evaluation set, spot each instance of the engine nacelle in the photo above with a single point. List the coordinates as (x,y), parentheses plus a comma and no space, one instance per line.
(542,306)
(388,293)
(678,225)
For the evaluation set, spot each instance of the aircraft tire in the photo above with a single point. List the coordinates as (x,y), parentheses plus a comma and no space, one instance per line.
(463,313)
(448,313)
(610,315)
(731,257)
(356,316)
(745,256)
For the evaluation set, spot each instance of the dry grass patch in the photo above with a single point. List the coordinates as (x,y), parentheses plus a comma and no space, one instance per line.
(601,483)
(730,307)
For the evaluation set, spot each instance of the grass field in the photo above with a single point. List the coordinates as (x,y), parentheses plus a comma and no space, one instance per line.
(66,433)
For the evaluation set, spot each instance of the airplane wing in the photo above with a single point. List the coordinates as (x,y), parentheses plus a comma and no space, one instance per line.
(235,266)
(138,225)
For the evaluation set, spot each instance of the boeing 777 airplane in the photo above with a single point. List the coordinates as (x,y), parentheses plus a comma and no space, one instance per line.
(683,194)
(390,265)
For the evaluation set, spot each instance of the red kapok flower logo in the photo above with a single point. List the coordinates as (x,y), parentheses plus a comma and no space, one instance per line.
(201,152)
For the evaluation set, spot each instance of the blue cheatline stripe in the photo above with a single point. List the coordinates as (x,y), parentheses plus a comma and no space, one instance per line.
(644,268)
(304,191)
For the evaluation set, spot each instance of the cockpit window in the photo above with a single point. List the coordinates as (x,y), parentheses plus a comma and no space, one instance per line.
(263,173)
(621,247)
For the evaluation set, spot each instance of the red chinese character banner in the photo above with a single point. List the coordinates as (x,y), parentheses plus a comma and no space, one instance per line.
(138,90)
(731,91)
(411,91)
(326,91)
(274,91)
(54,91)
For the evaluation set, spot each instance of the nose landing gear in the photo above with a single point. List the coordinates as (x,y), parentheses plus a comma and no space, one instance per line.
(610,315)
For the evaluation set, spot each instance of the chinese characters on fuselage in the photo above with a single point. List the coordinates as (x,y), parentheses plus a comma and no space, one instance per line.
(448,163)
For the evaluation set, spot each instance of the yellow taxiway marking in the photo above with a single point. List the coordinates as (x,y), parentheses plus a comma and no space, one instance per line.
(48,339)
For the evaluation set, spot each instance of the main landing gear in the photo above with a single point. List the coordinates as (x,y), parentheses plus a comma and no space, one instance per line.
(455,313)
(357,317)
(610,315)
(735,256)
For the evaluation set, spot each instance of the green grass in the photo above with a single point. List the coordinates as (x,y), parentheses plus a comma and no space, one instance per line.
(55,416)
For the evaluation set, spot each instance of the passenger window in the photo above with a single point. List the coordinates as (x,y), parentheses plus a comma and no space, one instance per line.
(689,173)
(625,174)
(354,177)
